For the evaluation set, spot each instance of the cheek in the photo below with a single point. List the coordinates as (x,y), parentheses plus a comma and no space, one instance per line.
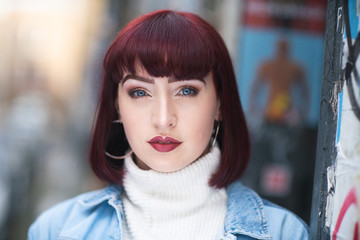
(134,132)
(200,122)
(130,120)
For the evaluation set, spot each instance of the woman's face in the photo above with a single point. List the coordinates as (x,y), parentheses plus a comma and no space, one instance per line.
(168,123)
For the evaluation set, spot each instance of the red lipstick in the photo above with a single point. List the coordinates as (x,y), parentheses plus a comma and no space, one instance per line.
(166,144)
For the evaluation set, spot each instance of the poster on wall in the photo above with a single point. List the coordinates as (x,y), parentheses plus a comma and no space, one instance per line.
(281,50)
(279,71)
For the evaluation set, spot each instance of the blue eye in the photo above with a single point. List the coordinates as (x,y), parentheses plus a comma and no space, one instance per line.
(187,91)
(140,93)
(137,93)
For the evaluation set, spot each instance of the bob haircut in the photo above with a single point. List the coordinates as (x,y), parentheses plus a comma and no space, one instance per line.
(179,44)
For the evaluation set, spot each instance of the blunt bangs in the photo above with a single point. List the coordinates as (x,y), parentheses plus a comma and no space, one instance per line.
(166,44)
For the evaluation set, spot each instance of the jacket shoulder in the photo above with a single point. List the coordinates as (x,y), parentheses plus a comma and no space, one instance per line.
(49,224)
(69,214)
(256,218)
(283,224)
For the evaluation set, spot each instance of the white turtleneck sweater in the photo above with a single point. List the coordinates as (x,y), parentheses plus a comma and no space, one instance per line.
(178,205)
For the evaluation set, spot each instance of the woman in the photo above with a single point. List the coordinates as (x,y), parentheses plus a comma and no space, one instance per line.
(171,139)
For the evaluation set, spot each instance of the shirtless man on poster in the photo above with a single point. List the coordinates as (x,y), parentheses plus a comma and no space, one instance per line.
(280,75)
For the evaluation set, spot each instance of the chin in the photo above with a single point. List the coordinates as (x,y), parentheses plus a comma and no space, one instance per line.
(167,168)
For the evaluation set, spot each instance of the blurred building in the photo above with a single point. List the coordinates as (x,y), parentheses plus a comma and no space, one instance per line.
(45,46)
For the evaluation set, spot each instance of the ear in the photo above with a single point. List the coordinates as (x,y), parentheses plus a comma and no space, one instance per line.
(218,111)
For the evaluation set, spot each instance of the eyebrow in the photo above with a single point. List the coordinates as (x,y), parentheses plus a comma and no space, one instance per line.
(151,80)
(136,77)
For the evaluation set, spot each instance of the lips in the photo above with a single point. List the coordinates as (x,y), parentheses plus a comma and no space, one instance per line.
(166,144)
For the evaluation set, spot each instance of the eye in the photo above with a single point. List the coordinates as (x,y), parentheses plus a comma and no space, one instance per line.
(188,91)
(138,93)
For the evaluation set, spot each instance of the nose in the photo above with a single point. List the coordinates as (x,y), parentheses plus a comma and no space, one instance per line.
(164,113)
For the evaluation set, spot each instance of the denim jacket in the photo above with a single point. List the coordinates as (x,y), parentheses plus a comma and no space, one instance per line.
(99,215)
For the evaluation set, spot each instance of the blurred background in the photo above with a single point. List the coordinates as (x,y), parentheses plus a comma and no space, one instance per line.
(50,72)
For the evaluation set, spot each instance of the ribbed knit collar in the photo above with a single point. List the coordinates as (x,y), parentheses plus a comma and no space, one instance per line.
(163,203)
(197,173)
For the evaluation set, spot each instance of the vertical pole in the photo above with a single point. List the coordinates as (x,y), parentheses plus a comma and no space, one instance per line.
(326,150)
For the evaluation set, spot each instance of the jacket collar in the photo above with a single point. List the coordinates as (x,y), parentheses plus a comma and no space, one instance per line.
(245,214)
(76,229)
(110,193)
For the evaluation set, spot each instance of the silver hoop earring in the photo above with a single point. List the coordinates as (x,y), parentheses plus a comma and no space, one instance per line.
(118,134)
(119,157)
(216,134)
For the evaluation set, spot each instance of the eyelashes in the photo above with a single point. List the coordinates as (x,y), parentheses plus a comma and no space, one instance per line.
(186,91)
(138,93)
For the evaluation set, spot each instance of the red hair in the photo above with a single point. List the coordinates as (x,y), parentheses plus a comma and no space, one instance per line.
(182,45)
